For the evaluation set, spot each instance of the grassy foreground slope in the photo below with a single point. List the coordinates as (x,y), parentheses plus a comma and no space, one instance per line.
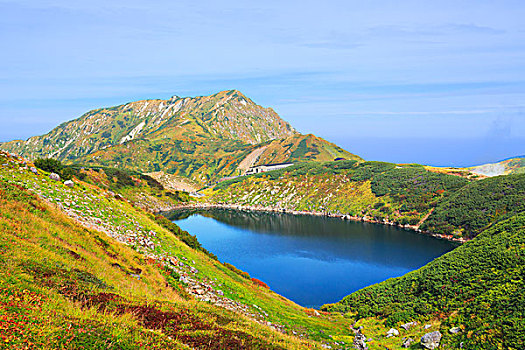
(478,287)
(84,269)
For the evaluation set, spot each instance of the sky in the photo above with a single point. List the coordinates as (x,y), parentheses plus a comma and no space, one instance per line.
(433,82)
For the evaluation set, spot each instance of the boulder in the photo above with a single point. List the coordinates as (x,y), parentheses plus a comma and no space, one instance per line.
(392,332)
(407,342)
(408,325)
(427,326)
(69,183)
(454,330)
(359,341)
(431,340)
(33,170)
(54,176)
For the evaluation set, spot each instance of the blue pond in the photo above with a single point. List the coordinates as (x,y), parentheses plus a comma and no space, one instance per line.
(309,259)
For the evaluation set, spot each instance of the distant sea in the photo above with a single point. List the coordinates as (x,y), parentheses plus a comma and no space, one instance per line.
(434,151)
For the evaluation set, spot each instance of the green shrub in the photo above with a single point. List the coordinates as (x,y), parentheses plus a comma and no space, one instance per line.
(54,166)
(478,205)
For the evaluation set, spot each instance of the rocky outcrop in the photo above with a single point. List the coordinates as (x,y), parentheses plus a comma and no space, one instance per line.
(431,340)
(392,332)
(454,330)
(408,325)
(360,340)
(407,342)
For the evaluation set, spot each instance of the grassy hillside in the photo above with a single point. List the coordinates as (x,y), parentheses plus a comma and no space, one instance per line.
(478,287)
(303,148)
(384,192)
(505,167)
(81,268)
(199,160)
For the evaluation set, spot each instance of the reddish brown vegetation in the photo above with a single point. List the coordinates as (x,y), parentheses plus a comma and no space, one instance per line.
(260,283)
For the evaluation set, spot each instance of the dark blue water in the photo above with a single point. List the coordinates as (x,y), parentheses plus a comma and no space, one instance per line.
(310,260)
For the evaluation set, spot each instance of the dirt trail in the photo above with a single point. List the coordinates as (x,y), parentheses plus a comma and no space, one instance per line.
(250,159)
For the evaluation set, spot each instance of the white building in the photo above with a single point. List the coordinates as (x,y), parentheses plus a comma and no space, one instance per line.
(267,167)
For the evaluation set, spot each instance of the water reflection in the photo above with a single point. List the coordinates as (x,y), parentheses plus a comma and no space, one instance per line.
(311,260)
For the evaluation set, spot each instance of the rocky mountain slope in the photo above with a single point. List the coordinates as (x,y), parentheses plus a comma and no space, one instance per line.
(202,138)
(227,115)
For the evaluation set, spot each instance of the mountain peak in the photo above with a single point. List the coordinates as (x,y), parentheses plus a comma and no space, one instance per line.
(226,115)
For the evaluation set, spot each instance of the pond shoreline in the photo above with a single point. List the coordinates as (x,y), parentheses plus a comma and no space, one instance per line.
(311,213)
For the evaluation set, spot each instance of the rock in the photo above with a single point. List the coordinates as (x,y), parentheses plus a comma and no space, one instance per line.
(407,342)
(135,275)
(427,326)
(33,170)
(54,176)
(431,340)
(359,341)
(392,332)
(454,330)
(408,325)
(69,183)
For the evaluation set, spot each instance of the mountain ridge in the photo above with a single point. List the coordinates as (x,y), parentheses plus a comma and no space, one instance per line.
(211,114)
(203,138)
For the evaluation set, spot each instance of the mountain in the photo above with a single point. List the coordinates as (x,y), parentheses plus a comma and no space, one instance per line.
(300,148)
(515,165)
(201,138)
(227,115)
